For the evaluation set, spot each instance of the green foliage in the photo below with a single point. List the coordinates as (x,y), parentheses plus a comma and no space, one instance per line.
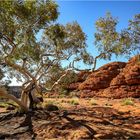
(47,103)
(128,101)
(66,81)
(93,102)
(3,104)
(71,78)
(62,91)
(109,41)
(27,57)
(54,75)
(67,41)
(134,33)
(74,101)
(8,104)
(20,22)
(105,36)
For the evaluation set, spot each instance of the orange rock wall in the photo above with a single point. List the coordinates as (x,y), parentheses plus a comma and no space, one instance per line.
(113,80)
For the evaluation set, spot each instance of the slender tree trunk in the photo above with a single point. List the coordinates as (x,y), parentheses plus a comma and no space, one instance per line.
(31,104)
(28,97)
(95,61)
(94,66)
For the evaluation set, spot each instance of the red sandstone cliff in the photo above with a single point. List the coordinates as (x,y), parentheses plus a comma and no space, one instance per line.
(114,80)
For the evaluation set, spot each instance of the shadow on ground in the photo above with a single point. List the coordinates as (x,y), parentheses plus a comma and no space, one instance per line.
(76,123)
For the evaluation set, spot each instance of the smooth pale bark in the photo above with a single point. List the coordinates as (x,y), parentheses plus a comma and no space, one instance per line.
(23,103)
(25,97)
(59,80)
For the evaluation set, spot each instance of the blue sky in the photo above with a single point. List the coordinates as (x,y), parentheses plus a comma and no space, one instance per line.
(87,12)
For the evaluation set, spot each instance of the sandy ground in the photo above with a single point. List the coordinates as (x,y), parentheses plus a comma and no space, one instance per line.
(118,104)
(96,118)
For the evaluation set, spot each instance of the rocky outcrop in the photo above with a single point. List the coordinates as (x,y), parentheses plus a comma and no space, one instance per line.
(127,83)
(101,78)
(114,80)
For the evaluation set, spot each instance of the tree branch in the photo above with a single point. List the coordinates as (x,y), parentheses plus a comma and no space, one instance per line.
(95,61)
(59,80)
(10,42)
(19,69)
(42,66)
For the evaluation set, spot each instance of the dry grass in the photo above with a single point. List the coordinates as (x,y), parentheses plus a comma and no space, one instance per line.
(74,101)
(93,102)
(128,101)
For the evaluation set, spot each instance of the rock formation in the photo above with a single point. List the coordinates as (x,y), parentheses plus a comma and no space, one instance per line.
(127,82)
(113,80)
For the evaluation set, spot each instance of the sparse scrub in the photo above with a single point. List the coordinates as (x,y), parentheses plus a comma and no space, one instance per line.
(7,104)
(64,101)
(61,96)
(45,104)
(73,94)
(128,101)
(93,102)
(108,104)
(74,101)
(3,104)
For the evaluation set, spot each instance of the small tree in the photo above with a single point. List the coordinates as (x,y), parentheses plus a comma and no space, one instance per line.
(134,32)
(110,42)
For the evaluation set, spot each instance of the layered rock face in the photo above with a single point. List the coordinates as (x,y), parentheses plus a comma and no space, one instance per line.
(101,78)
(113,80)
(127,82)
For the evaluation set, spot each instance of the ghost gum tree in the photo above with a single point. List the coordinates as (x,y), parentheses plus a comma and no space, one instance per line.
(29,59)
(32,43)
(110,42)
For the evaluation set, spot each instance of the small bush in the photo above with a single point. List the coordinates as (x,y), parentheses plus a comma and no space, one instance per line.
(3,105)
(8,103)
(74,101)
(93,102)
(107,104)
(61,96)
(128,101)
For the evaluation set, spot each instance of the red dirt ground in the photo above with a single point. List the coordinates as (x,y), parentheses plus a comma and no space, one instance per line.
(97,118)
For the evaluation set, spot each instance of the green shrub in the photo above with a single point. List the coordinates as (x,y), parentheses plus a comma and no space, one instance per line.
(107,104)
(74,101)
(8,103)
(128,101)
(4,105)
(63,92)
(93,102)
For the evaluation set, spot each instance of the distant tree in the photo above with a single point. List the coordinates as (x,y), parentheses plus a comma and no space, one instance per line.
(30,59)
(134,32)
(110,42)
